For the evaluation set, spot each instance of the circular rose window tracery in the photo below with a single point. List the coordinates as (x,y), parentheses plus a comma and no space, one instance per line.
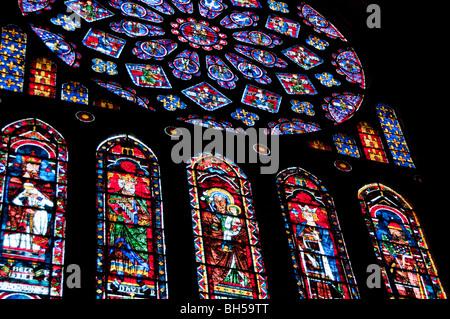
(285,65)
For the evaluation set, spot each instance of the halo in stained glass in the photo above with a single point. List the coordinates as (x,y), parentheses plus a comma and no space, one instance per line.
(222,56)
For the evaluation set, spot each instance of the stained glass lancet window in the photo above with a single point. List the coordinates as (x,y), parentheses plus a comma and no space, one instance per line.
(33,189)
(42,78)
(320,260)
(12,58)
(226,234)
(372,145)
(131,260)
(394,135)
(400,247)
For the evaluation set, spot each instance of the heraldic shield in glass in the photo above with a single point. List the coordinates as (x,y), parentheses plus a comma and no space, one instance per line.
(226,233)
(399,244)
(131,260)
(320,260)
(33,178)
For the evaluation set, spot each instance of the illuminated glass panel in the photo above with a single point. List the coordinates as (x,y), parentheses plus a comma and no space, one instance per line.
(320,260)
(42,78)
(12,58)
(394,135)
(345,145)
(226,234)
(372,145)
(131,257)
(399,244)
(74,92)
(33,179)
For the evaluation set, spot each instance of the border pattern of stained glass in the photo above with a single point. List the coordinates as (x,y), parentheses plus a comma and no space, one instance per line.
(33,193)
(131,260)
(319,256)
(399,244)
(226,234)
(12,58)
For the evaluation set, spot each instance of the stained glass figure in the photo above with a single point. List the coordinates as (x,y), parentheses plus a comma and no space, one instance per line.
(394,136)
(146,75)
(198,34)
(319,256)
(296,83)
(219,71)
(226,239)
(248,70)
(261,99)
(345,145)
(12,58)
(74,92)
(57,44)
(136,29)
(42,78)
(33,190)
(131,257)
(186,65)
(262,56)
(258,37)
(372,145)
(303,57)
(238,19)
(134,10)
(154,49)
(408,269)
(104,43)
(349,65)
(206,96)
(282,25)
(89,10)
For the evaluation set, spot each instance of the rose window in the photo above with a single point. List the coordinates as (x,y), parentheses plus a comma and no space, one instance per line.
(228,64)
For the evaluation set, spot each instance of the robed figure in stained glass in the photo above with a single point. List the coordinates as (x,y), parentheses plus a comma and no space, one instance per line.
(225,225)
(128,240)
